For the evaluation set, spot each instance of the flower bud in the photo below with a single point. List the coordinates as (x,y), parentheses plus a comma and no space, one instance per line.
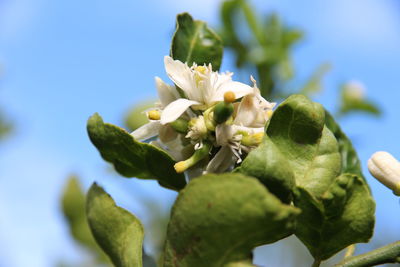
(386,169)
(198,155)
(224,110)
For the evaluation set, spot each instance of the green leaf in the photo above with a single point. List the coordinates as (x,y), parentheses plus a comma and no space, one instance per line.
(269,165)
(73,207)
(132,158)
(118,232)
(344,215)
(300,149)
(217,220)
(297,147)
(350,160)
(195,42)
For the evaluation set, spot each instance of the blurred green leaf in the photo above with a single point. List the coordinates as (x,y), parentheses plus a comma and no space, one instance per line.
(5,126)
(228,12)
(195,42)
(314,84)
(73,207)
(136,116)
(342,216)
(353,99)
(132,158)
(217,220)
(118,232)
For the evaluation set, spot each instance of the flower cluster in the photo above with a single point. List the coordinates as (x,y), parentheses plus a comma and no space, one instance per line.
(205,119)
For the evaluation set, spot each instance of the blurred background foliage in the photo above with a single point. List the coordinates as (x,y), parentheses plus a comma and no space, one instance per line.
(5,123)
(262,46)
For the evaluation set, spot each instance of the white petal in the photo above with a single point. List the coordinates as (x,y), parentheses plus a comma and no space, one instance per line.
(221,161)
(167,93)
(247,112)
(180,74)
(239,89)
(223,134)
(147,131)
(175,109)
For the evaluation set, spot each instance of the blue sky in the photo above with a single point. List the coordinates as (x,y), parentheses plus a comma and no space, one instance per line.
(65,60)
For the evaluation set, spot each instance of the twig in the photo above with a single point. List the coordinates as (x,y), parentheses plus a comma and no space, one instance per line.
(387,254)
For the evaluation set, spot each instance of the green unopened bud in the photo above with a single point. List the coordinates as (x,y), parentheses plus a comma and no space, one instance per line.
(224,110)
(198,155)
(180,125)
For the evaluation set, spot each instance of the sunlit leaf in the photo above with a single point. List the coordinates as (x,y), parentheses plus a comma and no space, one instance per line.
(132,158)
(217,220)
(195,42)
(118,232)
(342,216)
(300,149)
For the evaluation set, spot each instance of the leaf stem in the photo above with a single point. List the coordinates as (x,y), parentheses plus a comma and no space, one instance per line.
(386,254)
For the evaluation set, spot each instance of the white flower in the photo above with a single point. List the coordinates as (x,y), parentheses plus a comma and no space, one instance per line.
(167,94)
(197,128)
(253,110)
(386,169)
(245,133)
(202,88)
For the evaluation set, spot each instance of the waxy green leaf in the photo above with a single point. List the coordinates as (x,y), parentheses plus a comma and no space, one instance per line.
(350,160)
(118,232)
(132,158)
(73,206)
(344,215)
(217,220)
(298,149)
(195,42)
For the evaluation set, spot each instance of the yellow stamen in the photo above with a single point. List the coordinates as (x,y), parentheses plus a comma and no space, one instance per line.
(253,139)
(269,113)
(201,69)
(154,115)
(180,167)
(229,97)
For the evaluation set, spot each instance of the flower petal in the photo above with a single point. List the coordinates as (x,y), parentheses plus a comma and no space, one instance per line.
(221,161)
(167,93)
(239,89)
(175,109)
(223,134)
(147,131)
(180,74)
(247,112)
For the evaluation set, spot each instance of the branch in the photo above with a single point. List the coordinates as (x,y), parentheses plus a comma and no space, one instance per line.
(387,254)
